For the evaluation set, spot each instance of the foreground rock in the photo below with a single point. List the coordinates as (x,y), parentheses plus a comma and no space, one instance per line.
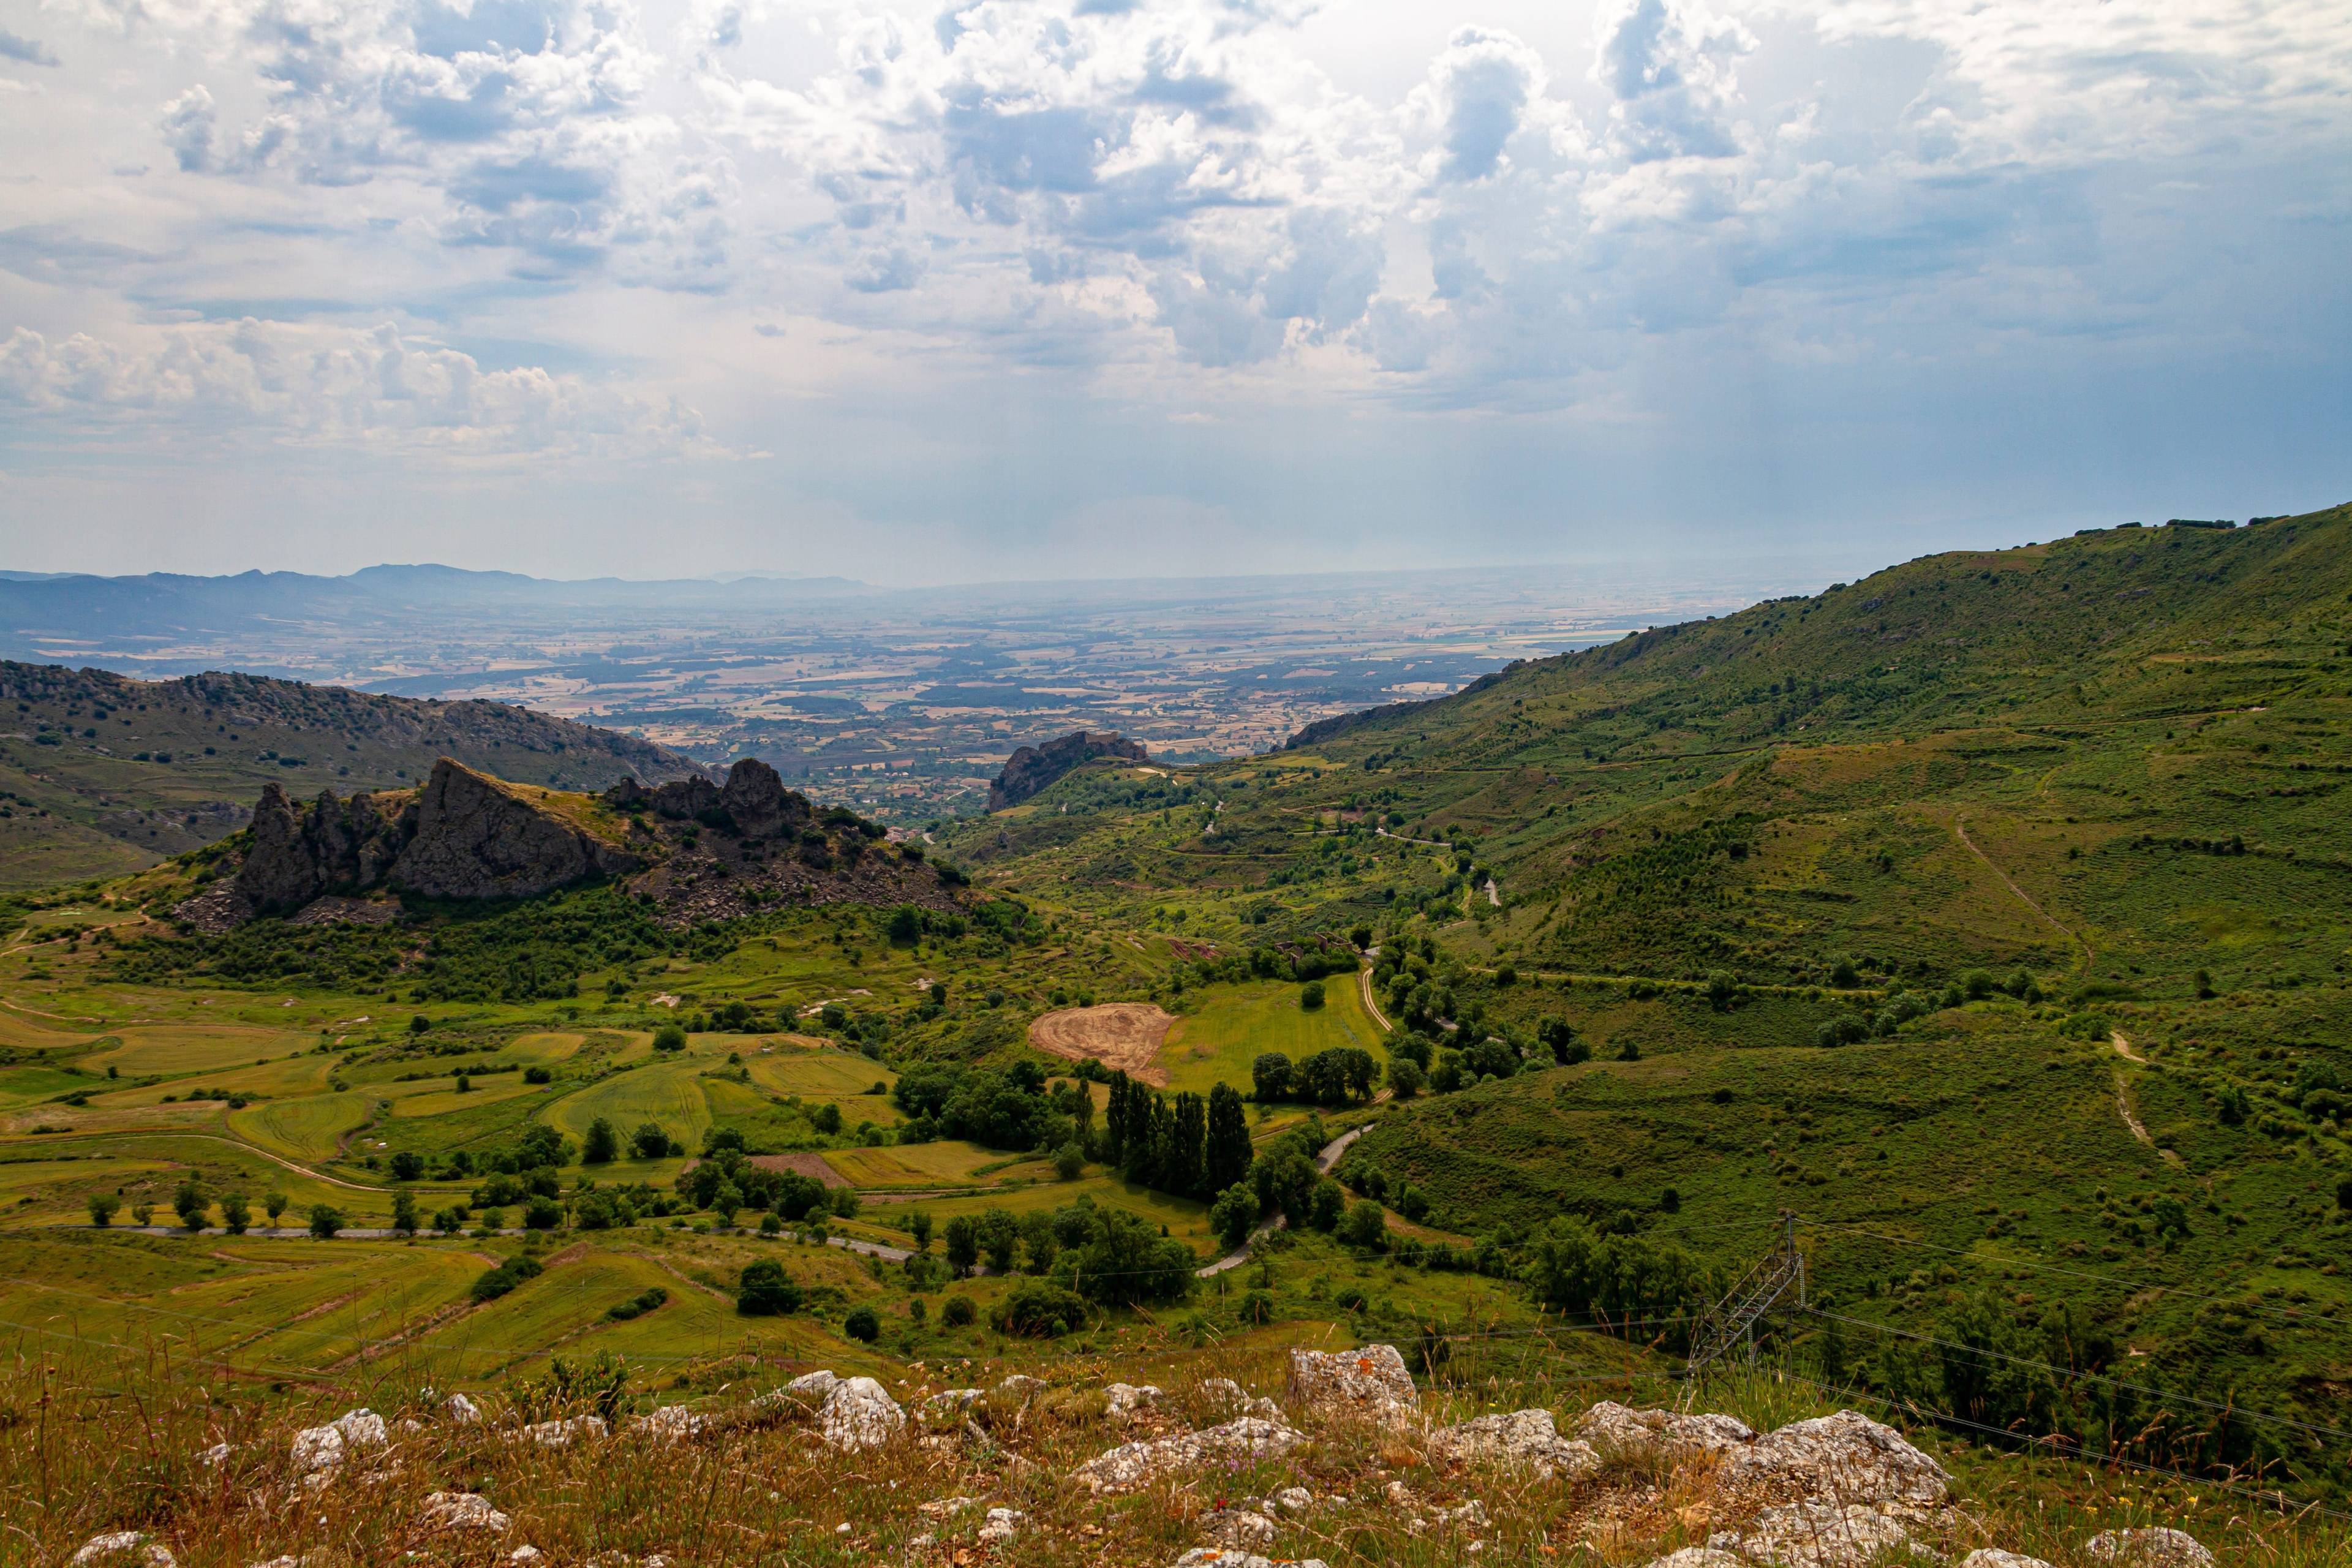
(1818,1534)
(461,1511)
(1371,1381)
(1134,1465)
(1218,1557)
(2156,1548)
(1125,1401)
(321,1449)
(123,1549)
(858,1413)
(1617,1429)
(1846,1457)
(1521,1439)
(1986,1557)
(563,1434)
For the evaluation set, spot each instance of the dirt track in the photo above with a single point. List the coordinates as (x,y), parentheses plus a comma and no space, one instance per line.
(1123,1036)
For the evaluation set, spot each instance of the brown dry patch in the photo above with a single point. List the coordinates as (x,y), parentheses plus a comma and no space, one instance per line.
(805,1165)
(1123,1036)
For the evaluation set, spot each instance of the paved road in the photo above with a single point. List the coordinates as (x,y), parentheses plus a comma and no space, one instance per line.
(1326,1158)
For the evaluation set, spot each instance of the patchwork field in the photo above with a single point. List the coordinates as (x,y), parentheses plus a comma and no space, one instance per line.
(1229,1026)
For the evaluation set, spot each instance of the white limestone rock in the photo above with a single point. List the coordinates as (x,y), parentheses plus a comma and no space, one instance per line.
(1369,1381)
(563,1434)
(1819,1534)
(858,1413)
(1990,1557)
(120,1548)
(1846,1457)
(461,1511)
(1125,1401)
(1522,1439)
(1133,1465)
(1613,1429)
(2151,1548)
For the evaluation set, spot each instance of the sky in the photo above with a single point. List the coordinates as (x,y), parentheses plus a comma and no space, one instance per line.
(968,289)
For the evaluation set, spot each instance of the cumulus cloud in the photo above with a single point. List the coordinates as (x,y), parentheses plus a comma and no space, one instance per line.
(1671,68)
(331,385)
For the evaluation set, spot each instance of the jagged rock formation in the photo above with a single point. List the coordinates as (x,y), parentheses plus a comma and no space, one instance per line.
(702,851)
(1032,768)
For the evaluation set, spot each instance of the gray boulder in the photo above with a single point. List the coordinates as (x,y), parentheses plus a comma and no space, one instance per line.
(2151,1548)
(1370,1381)
(1524,1438)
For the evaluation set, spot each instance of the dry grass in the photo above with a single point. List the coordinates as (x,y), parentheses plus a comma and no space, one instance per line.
(84,1450)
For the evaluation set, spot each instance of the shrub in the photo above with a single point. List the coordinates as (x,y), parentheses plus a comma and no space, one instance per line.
(669,1037)
(1310,996)
(958,1312)
(489,1287)
(538,1075)
(765,1290)
(407,1165)
(102,1208)
(1365,1225)
(862,1325)
(1070,1160)
(542,1213)
(325,1221)
(1406,1078)
(1039,1311)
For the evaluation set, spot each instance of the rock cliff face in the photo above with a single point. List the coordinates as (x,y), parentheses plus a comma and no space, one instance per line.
(474,841)
(1032,768)
(701,851)
(463,836)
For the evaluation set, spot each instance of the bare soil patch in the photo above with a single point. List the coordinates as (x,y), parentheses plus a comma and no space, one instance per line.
(806,1164)
(1123,1036)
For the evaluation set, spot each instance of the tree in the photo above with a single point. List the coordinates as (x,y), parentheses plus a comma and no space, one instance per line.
(1038,1240)
(764,1290)
(1310,996)
(862,1325)
(1125,1261)
(325,1221)
(1270,1078)
(407,1165)
(102,1208)
(1365,1226)
(418,1023)
(1225,1158)
(237,1213)
(958,1312)
(1070,1160)
(1181,1165)
(276,1204)
(1235,1214)
(191,1203)
(1406,1079)
(542,1213)
(962,1244)
(919,1226)
(404,1212)
(1325,1208)
(600,1145)
(669,1037)
(649,1142)
(1000,1239)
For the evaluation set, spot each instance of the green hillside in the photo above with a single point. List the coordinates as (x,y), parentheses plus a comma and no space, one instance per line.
(101,774)
(1987,916)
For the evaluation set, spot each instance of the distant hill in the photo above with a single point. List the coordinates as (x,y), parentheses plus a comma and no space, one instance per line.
(101,774)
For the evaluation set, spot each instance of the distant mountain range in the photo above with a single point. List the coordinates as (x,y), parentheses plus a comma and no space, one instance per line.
(38,609)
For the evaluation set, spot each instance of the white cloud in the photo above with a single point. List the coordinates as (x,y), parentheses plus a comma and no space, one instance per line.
(370,388)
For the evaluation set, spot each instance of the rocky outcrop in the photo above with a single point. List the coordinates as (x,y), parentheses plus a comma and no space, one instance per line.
(858,1413)
(1032,768)
(475,839)
(463,836)
(1370,1381)
(1619,1430)
(1846,1457)
(2151,1548)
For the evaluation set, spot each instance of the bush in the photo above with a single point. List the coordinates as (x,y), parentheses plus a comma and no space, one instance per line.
(407,1165)
(765,1290)
(529,1075)
(542,1213)
(1039,1311)
(1069,1161)
(505,1278)
(1310,996)
(958,1312)
(862,1325)
(102,1208)
(669,1037)
(325,1221)
(1365,1226)
(638,1306)
(1406,1078)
